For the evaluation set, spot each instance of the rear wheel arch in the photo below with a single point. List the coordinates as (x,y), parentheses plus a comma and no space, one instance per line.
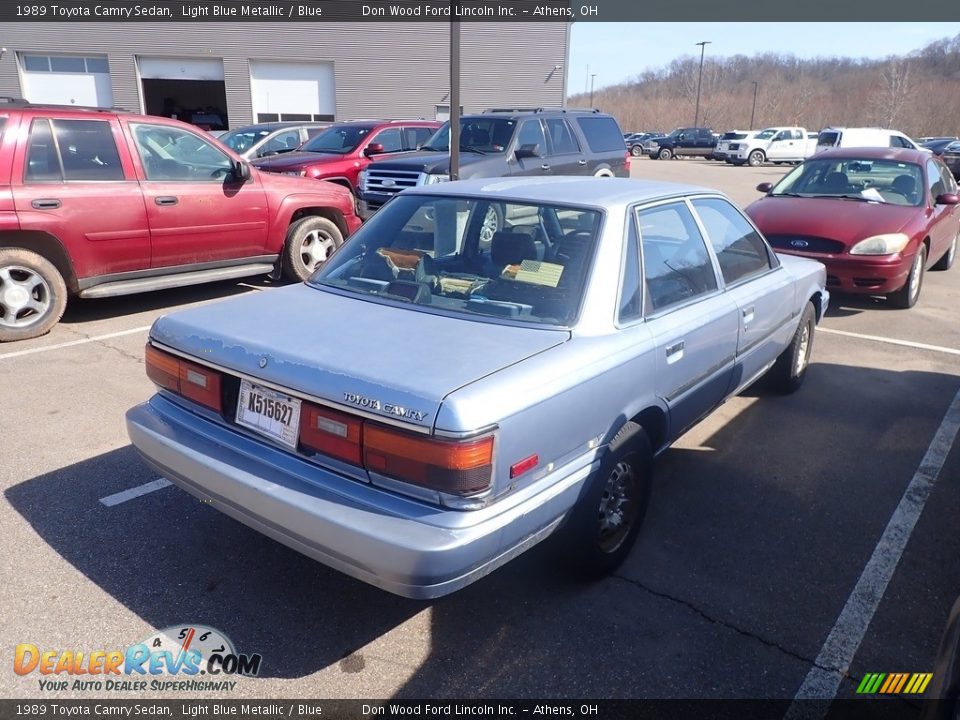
(48,247)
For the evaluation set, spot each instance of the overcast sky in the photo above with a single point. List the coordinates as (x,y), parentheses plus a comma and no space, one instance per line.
(616,52)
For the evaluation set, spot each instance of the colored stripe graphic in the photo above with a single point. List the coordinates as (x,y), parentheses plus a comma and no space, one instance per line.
(894,683)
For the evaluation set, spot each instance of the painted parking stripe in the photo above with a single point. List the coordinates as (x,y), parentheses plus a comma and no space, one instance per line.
(135,492)
(844,639)
(84,341)
(892,341)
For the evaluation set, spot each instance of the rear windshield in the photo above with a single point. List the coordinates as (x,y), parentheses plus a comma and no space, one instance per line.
(829,138)
(510,260)
(602,133)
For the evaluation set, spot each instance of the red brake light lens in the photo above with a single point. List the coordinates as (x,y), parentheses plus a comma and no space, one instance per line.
(192,381)
(331,433)
(458,467)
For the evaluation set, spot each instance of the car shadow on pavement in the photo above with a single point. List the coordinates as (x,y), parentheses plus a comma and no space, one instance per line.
(727,593)
(842,305)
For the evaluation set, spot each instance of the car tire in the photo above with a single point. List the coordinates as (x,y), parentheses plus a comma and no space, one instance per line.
(33,295)
(636,151)
(946,262)
(756,158)
(602,527)
(738,163)
(310,242)
(788,372)
(665,154)
(907,296)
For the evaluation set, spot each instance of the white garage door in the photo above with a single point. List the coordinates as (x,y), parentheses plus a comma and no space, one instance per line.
(66,80)
(292,90)
(165,68)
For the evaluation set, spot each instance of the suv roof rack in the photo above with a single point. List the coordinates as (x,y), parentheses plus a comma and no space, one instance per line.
(539,110)
(22,103)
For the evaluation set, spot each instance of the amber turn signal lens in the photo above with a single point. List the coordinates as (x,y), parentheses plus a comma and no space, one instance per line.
(192,381)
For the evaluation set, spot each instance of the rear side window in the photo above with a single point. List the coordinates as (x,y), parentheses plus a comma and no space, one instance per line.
(676,264)
(561,137)
(72,150)
(630,298)
(740,250)
(602,133)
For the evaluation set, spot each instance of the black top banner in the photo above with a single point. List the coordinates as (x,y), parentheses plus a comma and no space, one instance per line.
(90,11)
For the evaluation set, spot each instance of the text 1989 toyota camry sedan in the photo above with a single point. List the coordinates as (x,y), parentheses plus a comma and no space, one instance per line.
(484,362)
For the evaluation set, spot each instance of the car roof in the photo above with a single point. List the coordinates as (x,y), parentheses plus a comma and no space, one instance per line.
(566,190)
(260,127)
(875,153)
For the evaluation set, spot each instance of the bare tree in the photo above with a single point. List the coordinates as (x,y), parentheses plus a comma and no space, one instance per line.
(896,90)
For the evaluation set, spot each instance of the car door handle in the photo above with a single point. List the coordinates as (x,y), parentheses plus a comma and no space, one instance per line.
(544,167)
(45,204)
(581,162)
(748,315)
(675,351)
(165,200)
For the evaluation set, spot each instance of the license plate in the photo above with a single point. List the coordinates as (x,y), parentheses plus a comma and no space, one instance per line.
(272,414)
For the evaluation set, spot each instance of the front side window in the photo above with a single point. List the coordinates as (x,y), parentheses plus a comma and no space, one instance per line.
(740,250)
(934,181)
(76,150)
(171,154)
(242,140)
(483,135)
(390,139)
(281,142)
(676,264)
(531,134)
(517,261)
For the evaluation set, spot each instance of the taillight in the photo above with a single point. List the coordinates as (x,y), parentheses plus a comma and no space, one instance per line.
(458,467)
(627,159)
(192,381)
(331,433)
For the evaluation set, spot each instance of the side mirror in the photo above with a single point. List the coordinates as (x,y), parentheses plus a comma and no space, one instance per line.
(241,171)
(531,150)
(373,149)
(764,187)
(948,199)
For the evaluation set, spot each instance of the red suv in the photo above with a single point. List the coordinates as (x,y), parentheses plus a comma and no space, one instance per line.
(340,152)
(96,203)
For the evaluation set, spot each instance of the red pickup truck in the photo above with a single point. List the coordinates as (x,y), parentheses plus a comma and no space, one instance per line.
(97,203)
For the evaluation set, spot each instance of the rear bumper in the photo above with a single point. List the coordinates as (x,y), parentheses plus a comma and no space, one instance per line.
(397,544)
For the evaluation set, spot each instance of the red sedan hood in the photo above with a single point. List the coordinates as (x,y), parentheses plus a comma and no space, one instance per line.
(847,221)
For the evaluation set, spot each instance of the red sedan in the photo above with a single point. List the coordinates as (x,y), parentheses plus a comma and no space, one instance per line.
(878,218)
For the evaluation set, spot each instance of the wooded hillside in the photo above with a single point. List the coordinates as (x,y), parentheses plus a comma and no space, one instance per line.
(918,94)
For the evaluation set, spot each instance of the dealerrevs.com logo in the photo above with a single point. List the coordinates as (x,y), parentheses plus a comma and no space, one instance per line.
(179,658)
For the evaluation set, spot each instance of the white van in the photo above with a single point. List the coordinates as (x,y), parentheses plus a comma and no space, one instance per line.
(835,137)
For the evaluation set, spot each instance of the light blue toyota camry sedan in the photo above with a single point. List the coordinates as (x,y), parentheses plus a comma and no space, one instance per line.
(482,364)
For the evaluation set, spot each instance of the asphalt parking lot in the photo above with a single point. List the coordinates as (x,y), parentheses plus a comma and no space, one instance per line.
(774,527)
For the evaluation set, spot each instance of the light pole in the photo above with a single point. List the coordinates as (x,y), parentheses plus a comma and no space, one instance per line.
(754,110)
(696,114)
(592,78)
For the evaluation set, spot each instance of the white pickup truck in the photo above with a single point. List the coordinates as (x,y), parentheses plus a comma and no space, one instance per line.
(774,144)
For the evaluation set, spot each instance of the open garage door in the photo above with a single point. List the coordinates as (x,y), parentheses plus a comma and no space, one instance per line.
(292,90)
(188,89)
(66,80)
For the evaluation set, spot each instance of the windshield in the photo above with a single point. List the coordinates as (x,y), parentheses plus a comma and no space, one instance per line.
(510,260)
(766,134)
(734,136)
(882,181)
(485,135)
(338,139)
(242,140)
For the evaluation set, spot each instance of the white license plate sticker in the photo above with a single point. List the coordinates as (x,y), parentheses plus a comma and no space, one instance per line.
(272,414)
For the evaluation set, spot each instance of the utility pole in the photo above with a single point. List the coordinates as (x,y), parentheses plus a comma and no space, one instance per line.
(696,114)
(592,77)
(754,110)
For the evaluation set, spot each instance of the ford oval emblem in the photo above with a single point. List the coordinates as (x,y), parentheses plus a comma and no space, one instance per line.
(799,243)
(388,182)
(263,361)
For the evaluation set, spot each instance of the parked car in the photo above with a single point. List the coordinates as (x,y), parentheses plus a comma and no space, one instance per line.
(951,156)
(102,203)
(774,144)
(342,151)
(722,150)
(937,145)
(530,380)
(844,137)
(683,142)
(878,218)
(539,143)
(257,141)
(635,143)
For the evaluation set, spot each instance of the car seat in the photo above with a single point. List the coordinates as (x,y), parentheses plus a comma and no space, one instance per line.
(905,185)
(836,182)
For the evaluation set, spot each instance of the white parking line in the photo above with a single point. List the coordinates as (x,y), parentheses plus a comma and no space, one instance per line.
(84,341)
(892,341)
(845,637)
(135,492)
